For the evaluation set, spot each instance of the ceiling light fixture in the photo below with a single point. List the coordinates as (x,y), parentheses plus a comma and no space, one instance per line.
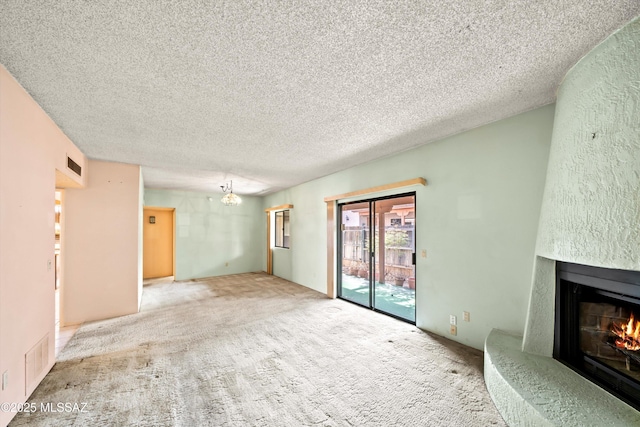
(230,199)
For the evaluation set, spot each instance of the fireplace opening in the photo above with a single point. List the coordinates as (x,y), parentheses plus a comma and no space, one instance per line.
(597,330)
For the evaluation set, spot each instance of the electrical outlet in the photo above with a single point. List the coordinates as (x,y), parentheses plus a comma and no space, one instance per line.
(453,320)
(226,264)
(453,330)
(48,265)
(5,379)
(466,316)
(424,253)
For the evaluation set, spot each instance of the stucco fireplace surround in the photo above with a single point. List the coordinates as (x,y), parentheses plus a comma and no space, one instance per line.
(590,216)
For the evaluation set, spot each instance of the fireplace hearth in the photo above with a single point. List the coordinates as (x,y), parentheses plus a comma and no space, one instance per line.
(597,332)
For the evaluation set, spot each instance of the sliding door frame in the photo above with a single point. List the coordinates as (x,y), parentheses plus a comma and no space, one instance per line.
(331,221)
(371,251)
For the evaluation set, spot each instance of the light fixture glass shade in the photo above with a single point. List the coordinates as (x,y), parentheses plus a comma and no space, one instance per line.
(231,199)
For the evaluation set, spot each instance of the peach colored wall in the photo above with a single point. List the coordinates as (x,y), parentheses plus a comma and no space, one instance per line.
(100,244)
(65,148)
(32,147)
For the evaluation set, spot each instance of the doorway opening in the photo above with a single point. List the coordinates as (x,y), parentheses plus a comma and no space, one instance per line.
(56,263)
(63,332)
(376,254)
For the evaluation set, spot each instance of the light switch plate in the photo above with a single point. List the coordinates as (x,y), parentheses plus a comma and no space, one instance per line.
(5,379)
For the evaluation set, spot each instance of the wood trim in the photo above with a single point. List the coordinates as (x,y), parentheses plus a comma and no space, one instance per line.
(279,208)
(173,214)
(331,232)
(269,250)
(407,183)
(159,208)
(331,222)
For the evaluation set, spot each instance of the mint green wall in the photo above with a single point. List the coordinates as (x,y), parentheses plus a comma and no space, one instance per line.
(477,219)
(282,263)
(213,239)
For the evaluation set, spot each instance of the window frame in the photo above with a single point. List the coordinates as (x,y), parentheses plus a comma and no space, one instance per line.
(279,234)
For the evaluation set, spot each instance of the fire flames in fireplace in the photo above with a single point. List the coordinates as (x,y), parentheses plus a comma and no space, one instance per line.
(598,326)
(628,334)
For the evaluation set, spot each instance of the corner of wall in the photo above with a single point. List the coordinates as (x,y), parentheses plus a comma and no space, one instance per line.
(539,326)
(102,244)
(140,236)
(590,205)
(32,147)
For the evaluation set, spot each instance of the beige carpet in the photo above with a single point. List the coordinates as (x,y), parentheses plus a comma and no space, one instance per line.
(255,350)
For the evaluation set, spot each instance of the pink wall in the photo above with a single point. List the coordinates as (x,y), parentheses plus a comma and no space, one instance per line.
(100,244)
(101,274)
(32,147)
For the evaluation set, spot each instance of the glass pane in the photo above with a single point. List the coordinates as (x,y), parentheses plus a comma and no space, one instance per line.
(278,228)
(354,279)
(395,245)
(286,229)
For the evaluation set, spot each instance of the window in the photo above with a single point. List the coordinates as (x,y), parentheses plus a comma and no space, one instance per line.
(282,229)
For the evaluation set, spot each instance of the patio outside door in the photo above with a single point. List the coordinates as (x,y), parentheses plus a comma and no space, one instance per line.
(377,254)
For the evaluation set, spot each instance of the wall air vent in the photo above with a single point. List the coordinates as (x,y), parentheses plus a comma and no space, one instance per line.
(74,166)
(35,362)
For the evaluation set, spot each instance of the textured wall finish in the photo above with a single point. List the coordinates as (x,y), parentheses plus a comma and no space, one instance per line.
(540,317)
(531,390)
(591,208)
(590,215)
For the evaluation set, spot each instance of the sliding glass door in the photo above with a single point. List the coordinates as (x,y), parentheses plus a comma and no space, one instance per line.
(376,254)
(356,254)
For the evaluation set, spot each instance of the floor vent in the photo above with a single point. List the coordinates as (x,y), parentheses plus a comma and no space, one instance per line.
(74,166)
(36,361)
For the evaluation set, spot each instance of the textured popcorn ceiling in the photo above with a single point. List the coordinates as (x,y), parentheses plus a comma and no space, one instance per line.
(272,94)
